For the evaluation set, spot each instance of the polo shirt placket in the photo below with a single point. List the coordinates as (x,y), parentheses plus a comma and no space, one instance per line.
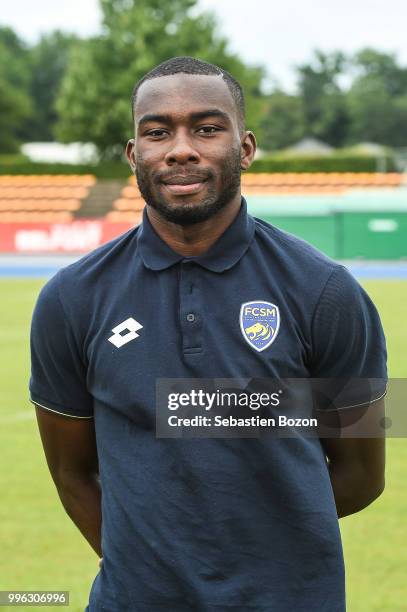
(190,310)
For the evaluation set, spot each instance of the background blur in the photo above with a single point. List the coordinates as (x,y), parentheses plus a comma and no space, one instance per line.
(326,90)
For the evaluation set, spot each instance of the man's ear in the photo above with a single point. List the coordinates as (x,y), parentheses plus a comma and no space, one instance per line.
(130,154)
(248,149)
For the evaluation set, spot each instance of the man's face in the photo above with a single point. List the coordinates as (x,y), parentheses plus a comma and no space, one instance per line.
(187,153)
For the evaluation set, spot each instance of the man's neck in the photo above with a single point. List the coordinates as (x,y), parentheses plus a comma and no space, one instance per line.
(194,240)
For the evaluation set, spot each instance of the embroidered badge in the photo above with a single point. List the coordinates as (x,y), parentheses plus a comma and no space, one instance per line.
(259,322)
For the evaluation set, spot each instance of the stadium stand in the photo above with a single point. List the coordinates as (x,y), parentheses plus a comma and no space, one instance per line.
(129,205)
(316,183)
(62,198)
(99,199)
(35,217)
(48,198)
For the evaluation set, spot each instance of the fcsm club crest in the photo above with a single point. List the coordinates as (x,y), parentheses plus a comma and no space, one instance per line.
(259,322)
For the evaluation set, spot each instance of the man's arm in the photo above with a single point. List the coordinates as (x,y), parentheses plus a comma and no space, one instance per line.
(357,465)
(70,450)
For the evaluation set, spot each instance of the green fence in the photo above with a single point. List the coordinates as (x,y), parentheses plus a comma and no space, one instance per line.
(359,224)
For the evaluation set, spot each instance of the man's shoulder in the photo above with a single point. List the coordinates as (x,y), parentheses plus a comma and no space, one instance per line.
(94,273)
(293,253)
(103,261)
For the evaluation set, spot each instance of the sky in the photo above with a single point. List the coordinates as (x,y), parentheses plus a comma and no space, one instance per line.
(279,35)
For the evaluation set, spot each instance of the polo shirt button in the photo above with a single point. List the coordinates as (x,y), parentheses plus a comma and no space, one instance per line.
(191,317)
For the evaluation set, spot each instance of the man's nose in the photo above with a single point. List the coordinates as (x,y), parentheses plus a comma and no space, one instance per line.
(182,151)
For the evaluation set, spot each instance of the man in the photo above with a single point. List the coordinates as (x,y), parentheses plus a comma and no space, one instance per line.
(202,524)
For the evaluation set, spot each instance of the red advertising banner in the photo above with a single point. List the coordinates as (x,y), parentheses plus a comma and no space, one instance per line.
(73,237)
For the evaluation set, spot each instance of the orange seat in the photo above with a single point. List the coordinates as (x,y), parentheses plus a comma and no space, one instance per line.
(134,204)
(130,191)
(116,216)
(43,192)
(35,217)
(264,183)
(40,204)
(85,180)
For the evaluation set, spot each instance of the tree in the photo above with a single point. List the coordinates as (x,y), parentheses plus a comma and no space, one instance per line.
(382,66)
(377,100)
(48,60)
(324,103)
(14,108)
(282,123)
(94,99)
(15,104)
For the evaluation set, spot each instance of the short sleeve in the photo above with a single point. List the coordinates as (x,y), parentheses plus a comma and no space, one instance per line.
(348,343)
(58,373)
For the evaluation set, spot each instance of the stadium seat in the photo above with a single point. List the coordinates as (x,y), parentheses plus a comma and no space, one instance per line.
(35,217)
(116,216)
(42,197)
(39,205)
(77,180)
(263,183)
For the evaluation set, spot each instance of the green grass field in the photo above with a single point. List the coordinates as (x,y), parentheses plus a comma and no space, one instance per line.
(42,550)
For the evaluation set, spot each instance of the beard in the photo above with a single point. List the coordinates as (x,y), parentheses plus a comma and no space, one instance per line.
(186,213)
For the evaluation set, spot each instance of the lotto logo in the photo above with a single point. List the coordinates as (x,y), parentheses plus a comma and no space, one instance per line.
(119,339)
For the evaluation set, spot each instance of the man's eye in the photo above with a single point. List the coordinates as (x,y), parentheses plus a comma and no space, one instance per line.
(156,133)
(208,129)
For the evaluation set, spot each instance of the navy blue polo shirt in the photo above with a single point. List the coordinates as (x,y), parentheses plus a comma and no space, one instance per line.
(201,525)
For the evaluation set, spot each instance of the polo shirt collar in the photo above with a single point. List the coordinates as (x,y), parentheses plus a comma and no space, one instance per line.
(222,255)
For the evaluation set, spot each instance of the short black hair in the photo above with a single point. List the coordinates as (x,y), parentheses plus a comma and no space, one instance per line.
(191,65)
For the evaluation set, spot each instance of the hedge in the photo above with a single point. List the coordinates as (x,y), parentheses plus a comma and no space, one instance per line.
(275,163)
(103,170)
(331,163)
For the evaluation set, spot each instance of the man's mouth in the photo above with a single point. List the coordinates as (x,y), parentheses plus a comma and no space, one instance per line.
(184,185)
